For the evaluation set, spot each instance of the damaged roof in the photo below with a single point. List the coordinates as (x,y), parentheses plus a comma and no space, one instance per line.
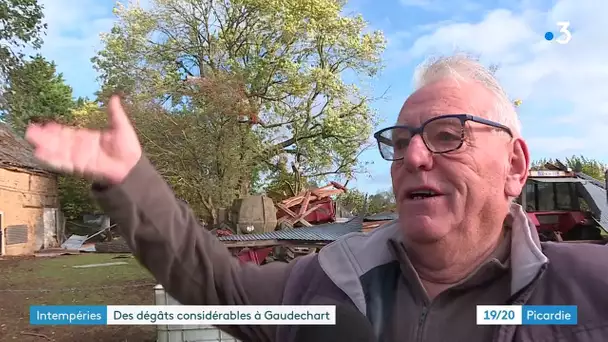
(323,232)
(15,152)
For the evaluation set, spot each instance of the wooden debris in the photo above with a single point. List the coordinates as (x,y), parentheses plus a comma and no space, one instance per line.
(294,210)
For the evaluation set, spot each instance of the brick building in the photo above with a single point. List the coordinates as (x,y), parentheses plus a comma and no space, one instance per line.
(29,199)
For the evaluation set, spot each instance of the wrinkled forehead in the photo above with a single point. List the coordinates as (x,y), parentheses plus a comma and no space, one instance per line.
(447,96)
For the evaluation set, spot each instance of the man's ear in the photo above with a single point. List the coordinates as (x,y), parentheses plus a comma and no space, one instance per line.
(519,162)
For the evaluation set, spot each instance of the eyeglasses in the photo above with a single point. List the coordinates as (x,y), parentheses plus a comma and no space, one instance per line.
(441,134)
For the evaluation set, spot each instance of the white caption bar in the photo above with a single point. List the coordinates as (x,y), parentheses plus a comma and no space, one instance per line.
(220,315)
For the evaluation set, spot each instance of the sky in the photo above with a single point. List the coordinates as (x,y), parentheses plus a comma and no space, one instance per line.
(563,87)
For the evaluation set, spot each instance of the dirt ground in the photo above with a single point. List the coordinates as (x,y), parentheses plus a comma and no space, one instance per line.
(54,280)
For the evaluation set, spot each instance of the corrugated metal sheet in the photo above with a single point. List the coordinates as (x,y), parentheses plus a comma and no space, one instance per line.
(382,217)
(596,198)
(74,242)
(557,180)
(324,232)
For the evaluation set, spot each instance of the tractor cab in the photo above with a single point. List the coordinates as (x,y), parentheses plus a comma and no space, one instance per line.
(563,205)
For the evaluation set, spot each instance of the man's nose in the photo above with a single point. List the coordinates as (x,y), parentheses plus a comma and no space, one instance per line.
(417,156)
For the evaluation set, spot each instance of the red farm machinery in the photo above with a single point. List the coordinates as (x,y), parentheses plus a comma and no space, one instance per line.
(565,205)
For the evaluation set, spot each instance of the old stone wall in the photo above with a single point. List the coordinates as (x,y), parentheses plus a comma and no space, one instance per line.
(24,197)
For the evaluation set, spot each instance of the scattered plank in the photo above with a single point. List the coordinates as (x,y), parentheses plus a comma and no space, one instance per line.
(101,265)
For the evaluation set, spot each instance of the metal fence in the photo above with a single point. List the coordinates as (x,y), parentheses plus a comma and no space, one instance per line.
(186,333)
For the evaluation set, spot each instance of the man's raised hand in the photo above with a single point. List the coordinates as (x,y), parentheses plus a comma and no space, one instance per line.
(108,155)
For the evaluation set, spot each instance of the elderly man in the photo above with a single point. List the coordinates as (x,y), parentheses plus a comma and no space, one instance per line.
(458,160)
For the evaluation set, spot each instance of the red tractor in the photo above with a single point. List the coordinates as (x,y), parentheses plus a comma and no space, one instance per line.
(566,205)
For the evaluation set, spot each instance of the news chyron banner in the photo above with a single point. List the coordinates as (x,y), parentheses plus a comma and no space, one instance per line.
(268,315)
(527,315)
(181,315)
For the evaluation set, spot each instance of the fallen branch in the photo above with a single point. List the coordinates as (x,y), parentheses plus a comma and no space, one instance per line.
(36,335)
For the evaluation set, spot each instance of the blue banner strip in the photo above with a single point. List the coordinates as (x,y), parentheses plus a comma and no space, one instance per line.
(549,315)
(68,315)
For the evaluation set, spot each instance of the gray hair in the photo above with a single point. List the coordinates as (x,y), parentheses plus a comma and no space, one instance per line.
(465,67)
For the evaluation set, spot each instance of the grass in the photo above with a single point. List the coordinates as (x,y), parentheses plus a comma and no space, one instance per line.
(60,271)
(54,280)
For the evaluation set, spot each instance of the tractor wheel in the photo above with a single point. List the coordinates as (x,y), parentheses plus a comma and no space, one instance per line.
(583,232)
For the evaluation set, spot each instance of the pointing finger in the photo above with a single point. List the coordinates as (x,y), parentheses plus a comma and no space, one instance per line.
(118,117)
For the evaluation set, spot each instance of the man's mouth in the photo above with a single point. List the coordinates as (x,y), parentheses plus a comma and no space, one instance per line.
(422,194)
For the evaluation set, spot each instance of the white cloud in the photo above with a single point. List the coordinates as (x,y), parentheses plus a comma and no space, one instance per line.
(481,36)
(539,72)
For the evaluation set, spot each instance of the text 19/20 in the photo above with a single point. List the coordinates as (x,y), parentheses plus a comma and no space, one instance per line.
(498,314)
(501,315)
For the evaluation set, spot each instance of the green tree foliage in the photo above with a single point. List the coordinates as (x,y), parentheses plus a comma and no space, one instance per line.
(359,202)
(203,151)
(20,25)
(540,164)
(290,55)
(75,198)
(35,89)
(353,200)
(286,181)
(381,202)
(588,166)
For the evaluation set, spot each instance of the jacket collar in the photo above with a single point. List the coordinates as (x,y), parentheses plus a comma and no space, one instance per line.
(347,259)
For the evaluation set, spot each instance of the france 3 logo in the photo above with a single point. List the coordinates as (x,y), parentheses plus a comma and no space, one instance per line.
(564,29)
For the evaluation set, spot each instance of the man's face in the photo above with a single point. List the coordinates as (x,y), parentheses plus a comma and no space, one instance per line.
(474,182)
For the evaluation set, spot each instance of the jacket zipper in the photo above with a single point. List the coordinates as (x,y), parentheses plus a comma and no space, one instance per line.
(504,333)
(421,321)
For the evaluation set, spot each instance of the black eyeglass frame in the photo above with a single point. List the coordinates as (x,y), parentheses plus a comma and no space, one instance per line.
(418,130)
